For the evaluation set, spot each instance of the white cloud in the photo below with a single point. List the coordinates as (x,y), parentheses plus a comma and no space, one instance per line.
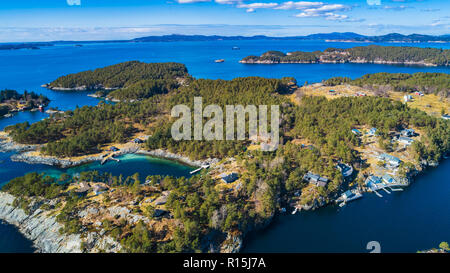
(374,2)
(299,5)
(191,1)
(74,2)
(325,11)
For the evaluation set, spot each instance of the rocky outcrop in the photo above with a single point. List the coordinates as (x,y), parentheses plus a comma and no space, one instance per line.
(7,145)
(53,161)
(42,229)
(168,155)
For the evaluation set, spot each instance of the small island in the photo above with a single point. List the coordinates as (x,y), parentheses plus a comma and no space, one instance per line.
(363,54)
(12,101)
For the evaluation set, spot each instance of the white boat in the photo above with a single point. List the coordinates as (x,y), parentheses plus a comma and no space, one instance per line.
(295,211)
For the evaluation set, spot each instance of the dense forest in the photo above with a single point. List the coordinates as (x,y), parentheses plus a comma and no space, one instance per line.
(436,83)
(361,54)
(121,75)
(85,129)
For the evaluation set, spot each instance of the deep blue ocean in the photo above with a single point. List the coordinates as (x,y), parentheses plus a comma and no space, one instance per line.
(415,219)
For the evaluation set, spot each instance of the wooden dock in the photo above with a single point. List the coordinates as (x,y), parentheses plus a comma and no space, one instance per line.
(199,169)
(109,157)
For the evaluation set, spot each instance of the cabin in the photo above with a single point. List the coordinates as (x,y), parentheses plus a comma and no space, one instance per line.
(372,132)
(159,212)
(392,160)
(315,179)
(446,116)
(229,178)
(407,98)
(356,132)
(408,132)
(113,149)
(405,140)
(418,93)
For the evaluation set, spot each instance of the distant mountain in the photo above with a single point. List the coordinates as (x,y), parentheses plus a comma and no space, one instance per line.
(335,36)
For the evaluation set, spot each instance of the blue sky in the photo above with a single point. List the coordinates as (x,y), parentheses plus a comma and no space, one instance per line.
(46,20)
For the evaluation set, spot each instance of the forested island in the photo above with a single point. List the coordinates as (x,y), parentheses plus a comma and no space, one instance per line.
(363,54)
(13,101)
(205,213)
(23,46)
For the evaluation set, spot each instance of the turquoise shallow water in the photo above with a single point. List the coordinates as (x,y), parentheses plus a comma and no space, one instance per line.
(405,221)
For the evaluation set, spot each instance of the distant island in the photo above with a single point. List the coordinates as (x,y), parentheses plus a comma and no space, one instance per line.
(12,101)
(328,37)
(363,54)
(11,46)
(126,81)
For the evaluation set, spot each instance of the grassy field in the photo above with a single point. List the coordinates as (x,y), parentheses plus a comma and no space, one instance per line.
(431,104)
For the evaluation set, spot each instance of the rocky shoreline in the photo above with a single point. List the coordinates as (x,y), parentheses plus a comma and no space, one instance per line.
(356,61)
(43,230)
(24,154)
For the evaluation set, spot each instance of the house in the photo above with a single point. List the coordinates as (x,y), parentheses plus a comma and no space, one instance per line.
(229,178)
(408,132)
(388,179)
(407,98)
(113,149)
(392,160)
(405,140)
(159,212)
(418,93)
(372,180)
(138,141)
(446,116)
(372,132)
(356,132)
(345,169)
(316,179)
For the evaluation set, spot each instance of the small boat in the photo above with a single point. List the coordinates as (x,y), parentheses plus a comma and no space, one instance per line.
(295,211)
(8,115)
(342,204)
(219,61)
(235,48)
(283,210)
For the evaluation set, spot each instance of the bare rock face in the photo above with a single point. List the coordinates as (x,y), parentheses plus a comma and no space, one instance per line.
(232,244)
(43,230)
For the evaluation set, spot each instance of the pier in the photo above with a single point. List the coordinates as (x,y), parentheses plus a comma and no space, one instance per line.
(109,157)
(199,169)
